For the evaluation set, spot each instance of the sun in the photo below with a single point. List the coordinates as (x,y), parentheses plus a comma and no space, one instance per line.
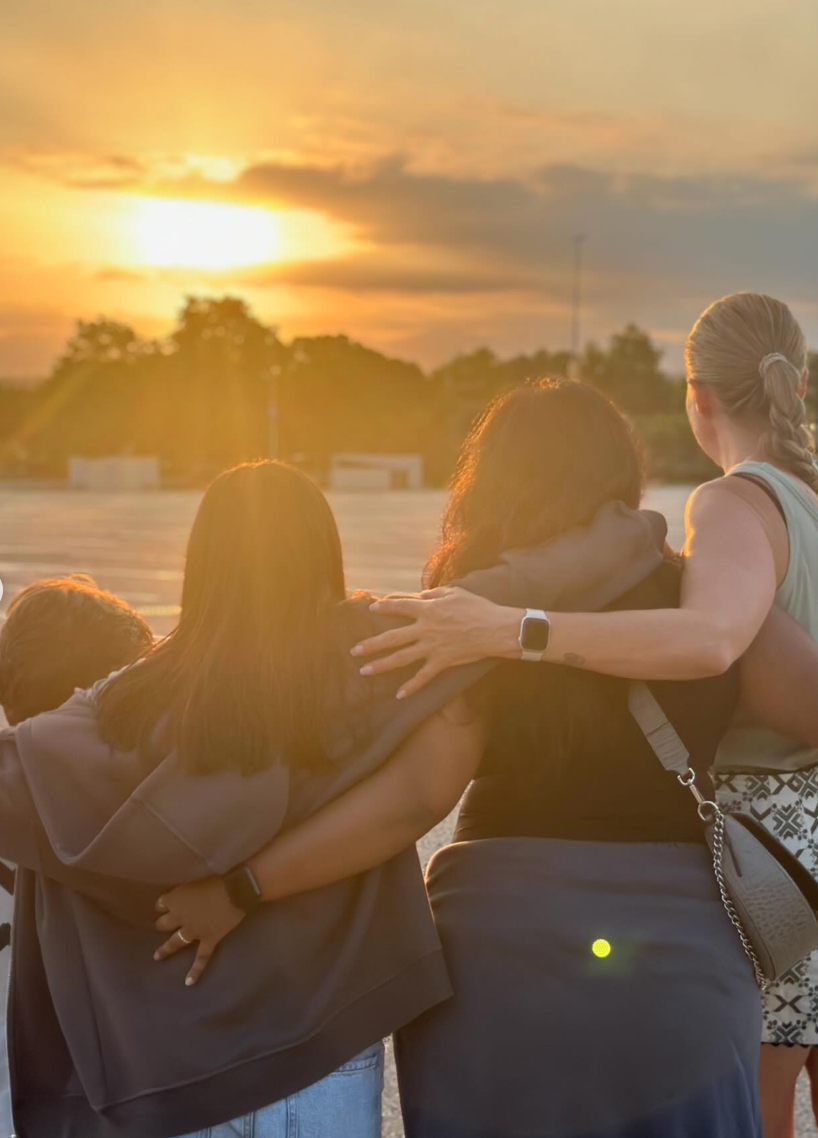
(204,235)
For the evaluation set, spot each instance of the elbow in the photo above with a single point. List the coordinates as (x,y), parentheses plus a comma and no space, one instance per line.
(433,810)
(716,654)
(437,804)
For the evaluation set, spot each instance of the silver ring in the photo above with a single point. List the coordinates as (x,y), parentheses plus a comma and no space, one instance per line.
(183,938)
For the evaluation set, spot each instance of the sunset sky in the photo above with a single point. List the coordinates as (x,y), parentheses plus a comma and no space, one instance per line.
(410,172)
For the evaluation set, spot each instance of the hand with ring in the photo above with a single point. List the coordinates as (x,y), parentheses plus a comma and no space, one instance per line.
(200,912)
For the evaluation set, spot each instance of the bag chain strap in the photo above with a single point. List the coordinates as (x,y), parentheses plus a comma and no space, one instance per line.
(711,812)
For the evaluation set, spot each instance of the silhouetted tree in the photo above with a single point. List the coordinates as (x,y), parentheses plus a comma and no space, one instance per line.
(201,398)
(464,386)
(94,400)
(222,363)
(336,395)
(630,374)
(99,342)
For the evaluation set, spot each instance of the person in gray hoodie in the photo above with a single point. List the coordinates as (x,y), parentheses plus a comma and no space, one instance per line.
(96,632)
(243,722)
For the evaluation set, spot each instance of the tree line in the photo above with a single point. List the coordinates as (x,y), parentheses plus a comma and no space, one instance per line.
(223,387)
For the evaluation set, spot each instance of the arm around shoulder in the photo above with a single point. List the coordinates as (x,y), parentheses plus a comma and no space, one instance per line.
(728,587)
(369,824)
(385,813)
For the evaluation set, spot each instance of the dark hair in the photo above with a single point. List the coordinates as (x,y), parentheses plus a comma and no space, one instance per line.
(241,681)
(539,461)
(63,634)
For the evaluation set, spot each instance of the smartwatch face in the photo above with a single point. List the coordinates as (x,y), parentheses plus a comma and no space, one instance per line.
(535,633)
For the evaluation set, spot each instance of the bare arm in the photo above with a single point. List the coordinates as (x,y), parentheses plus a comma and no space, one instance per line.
(728,588)
(730,578)
(378,818)
(779,679)
(383,815)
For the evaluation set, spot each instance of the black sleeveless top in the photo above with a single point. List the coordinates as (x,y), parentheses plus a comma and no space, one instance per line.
(566,759)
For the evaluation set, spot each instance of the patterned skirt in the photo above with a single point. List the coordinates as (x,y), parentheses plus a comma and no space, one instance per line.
(786,802)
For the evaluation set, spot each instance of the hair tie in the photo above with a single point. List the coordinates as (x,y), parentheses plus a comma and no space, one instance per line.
(772,358)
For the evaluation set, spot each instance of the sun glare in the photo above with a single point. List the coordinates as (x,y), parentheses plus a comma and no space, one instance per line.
(205,235)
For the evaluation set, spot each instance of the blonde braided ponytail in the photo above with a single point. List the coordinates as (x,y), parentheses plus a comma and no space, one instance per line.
(750,349)
(788,441)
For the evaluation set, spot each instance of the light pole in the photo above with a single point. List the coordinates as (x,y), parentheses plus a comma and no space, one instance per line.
(273,415)
(579,240)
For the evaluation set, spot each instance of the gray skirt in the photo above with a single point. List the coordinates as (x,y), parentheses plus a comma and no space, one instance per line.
(600,992)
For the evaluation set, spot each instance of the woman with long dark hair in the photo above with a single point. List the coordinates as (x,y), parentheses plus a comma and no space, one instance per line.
(241,722)
(596,975)
(751,553)
(599,987)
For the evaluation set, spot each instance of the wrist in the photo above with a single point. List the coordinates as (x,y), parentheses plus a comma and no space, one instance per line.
(242,888)
(270,873)
(506,633)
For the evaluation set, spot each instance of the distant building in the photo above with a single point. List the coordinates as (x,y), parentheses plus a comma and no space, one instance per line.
(117,472)
(376,472)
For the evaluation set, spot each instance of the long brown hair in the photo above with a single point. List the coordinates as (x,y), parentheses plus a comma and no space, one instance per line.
(540,461)
(241,681)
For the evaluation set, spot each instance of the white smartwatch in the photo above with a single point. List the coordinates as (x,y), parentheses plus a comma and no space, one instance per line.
(535,632)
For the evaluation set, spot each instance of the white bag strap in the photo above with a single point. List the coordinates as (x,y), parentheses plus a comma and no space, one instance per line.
(657,729)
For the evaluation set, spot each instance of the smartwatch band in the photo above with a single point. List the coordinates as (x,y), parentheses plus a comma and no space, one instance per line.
(242,888)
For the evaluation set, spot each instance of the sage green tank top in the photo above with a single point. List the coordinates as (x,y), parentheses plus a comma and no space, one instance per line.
(746,747)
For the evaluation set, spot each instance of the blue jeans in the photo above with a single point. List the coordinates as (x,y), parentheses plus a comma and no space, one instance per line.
(346,1104)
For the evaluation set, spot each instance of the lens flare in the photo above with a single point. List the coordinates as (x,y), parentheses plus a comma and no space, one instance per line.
(601,948)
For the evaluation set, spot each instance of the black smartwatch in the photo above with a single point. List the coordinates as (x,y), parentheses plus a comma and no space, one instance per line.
(242,888)
(535,632)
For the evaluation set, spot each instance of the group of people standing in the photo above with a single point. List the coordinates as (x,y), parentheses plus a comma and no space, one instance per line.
(219,910)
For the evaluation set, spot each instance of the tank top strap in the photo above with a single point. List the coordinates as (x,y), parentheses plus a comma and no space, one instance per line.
(799,506)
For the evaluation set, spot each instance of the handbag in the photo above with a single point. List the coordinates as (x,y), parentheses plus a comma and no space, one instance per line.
(769,896)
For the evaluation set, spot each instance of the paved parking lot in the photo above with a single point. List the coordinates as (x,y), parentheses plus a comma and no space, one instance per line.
(133,544)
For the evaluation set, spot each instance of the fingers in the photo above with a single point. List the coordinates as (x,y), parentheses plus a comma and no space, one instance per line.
(391,663)
(171,946)
(409,607)
(167,923)
(422,677)
(161,905)
(204,954)
(386,642)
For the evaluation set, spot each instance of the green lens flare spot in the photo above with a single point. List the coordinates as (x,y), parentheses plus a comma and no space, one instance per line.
(601,948)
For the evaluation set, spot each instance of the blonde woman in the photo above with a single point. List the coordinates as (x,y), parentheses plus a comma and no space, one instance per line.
(752,545)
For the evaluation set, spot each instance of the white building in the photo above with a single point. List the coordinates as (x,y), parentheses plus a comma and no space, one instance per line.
(376,472)
(117,472)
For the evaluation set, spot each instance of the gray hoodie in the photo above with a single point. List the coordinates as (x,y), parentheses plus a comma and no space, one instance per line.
(106,1044)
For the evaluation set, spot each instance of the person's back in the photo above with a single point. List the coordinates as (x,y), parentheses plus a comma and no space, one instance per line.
(577,905)
(566,759)
(172,770)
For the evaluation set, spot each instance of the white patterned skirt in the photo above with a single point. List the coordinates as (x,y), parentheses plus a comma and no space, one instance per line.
(786,803)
